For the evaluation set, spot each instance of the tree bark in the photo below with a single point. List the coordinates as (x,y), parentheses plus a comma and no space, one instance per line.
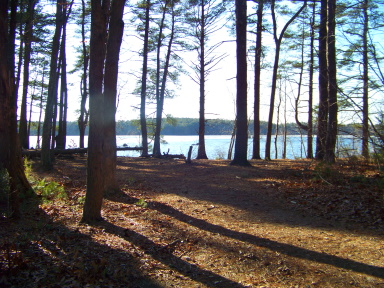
(159,102)
(310,87)
(95,163)
(241,142)
(256,108)
(365,132)
(47,157)
(62,131)
(322,118)
(101,164)
(10,150)
(115,36)
(83,118)
(143,96)
(28,34)
(201,153)
(332,86)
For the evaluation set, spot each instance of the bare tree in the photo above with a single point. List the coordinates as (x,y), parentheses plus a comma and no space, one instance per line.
(278,40)
(204,18)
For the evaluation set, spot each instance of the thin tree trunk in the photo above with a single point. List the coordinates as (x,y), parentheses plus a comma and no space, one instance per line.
(332,100)
(322,118)
(310,87)
(232,141)
(62,131)
(159,104)
(201,153)
(83,118)
(47,156)
(115,36)
(28,34)
(143,96)
(256,108)
(274,76)
(365,148)
(40,108)
(277,122)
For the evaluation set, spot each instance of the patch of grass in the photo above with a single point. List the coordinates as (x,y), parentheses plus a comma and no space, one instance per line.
(50,191)
(141,203)
(81,200)
(28,170)
(4,185)
(5,210)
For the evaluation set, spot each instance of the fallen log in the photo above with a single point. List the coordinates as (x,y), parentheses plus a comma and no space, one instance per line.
(37,152)
(167,156)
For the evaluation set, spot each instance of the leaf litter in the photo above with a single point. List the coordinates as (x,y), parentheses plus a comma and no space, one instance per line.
(284,223)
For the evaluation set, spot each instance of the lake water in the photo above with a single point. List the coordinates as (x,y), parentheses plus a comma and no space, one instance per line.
(217,145)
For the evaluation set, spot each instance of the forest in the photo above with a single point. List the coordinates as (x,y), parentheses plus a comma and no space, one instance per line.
(308,67)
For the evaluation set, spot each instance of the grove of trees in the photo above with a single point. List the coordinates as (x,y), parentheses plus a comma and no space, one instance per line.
(319,60)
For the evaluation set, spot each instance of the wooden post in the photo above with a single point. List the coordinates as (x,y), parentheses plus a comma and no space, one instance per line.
(189,161)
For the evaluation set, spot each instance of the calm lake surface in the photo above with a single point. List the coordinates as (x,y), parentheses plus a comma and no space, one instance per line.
(217,145)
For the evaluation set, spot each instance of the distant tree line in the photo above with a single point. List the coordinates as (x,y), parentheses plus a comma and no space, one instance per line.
(190,126)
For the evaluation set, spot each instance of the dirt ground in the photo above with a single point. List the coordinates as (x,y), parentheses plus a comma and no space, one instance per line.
(282,223)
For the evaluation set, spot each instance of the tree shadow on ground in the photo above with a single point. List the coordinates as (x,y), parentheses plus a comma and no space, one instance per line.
(255,190)
(283,248)
(159,253)
(42,252)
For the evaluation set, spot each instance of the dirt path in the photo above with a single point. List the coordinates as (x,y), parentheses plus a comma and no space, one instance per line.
(209,224)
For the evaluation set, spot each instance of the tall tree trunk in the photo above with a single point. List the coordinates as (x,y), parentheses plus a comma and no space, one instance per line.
(95,163)
(101,164)
(332,87)
(83,118)
(143,96)
(277,122)
(241,142)
(47,157)
(40,107)
(322,118)
(365,136)
(63,102)
(28,34)
(201,153)
(10,152)
(62,131)
(115,36)
(256,108)
(310,86)
(159,104)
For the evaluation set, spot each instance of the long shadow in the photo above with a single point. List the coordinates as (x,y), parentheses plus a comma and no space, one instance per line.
(49,254)
(65,253)
(158,252)
(255,199)
(287,249)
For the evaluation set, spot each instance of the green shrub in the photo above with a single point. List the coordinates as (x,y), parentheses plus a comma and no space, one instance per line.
(4,185)
(4,193)
(50,191)
(325,172)
(141,203)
